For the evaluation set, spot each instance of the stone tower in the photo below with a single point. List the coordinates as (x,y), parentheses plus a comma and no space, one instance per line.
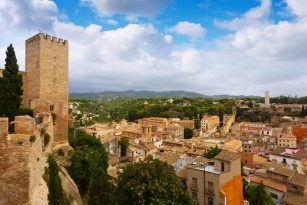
(267,98)
(46,87)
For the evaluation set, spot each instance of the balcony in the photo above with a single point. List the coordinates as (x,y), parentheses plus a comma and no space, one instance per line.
(210,191)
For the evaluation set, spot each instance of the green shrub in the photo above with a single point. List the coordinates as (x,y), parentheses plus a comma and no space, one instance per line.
(25,111)
(32,138)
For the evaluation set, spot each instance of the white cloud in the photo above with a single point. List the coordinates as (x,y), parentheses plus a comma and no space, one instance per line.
(254,57)
(256,35)
(189,29)
(298,7)
(144,8)
(28,15)
(255,16)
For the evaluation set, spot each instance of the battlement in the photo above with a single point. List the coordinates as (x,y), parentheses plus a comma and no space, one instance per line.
(46,37)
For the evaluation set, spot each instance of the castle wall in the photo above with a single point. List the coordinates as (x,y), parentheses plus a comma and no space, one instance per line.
(22,164)
(3,126)
(24,125)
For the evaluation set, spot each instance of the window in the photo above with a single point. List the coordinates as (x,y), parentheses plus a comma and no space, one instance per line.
(194,195)
(284,160)
(245,162)
(210,185)
(222,166)
(274,196)
(194,183)
(51,107)
(210,201)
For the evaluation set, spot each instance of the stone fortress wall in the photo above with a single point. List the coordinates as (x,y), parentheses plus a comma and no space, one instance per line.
(23,162)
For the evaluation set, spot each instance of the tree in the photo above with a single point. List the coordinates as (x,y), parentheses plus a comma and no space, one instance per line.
(56,195)
(188,133)
(88,169)
(197,124)
(257,195)
(150,182)
(303,112)
(100,189)
(10,86)
(212,152)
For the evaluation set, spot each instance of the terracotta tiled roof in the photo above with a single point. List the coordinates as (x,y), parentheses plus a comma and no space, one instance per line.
(269,183)
(228,156)
(150,146)
(233,145)
(299,180)
(295,199)
(196,151)
(277,168)
(169,158)
(302,154)
(258,160)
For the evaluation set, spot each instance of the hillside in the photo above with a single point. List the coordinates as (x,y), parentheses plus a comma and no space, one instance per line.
(150,94)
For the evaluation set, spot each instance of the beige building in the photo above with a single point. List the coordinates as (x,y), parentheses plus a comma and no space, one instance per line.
(217,182)
(288,141)
(210,123)
(175,131)
(186,123)
(154,121)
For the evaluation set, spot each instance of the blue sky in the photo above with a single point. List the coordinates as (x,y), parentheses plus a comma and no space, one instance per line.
(203,12)
(208,46)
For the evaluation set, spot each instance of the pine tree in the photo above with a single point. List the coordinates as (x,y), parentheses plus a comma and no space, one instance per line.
(303,111)
(10,86)
(56,195)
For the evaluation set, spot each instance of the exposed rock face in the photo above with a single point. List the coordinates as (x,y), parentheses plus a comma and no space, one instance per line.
(70,187)
(40,194)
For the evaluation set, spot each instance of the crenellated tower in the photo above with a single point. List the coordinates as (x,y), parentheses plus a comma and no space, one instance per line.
(46,87)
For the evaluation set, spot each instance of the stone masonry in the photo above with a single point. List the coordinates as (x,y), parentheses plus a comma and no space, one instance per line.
(46,80)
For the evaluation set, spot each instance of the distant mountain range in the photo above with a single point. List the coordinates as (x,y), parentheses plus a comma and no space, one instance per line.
(152,94)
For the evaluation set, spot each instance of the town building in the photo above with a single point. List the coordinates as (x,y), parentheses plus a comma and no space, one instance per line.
(210,123)
(251,128)
(286,140)
(175,131)
(154,121)
(216,182)
(292,158)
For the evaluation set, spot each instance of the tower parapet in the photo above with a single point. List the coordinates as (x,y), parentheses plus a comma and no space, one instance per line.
(47,37)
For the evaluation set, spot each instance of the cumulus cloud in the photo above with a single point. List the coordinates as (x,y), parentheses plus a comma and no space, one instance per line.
(27,15)
(142,8)
(253,58)
(259,37)
(19,19)
(298,7)
(255,16)
(189,29)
